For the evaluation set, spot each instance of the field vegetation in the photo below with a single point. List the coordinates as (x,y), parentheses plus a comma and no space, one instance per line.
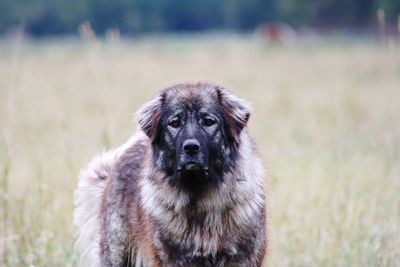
(326,116)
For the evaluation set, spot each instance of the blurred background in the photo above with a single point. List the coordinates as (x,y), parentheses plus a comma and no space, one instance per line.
(323,78)
(132,17)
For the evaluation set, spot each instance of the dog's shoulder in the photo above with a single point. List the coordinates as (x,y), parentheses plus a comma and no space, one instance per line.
(133,158)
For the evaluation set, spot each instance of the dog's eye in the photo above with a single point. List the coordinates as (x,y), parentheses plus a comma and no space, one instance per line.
(175,123)
(209,121)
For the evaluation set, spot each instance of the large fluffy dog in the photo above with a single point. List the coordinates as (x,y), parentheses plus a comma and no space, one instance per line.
(186,190)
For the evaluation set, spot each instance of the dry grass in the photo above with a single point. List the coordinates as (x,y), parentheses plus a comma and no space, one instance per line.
(326,117)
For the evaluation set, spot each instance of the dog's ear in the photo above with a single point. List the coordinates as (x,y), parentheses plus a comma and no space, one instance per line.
(236,113)
(149,116)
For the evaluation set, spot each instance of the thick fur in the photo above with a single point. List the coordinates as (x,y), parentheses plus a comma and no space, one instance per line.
(134,208)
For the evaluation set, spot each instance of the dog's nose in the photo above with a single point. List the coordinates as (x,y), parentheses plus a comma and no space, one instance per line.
(191,146)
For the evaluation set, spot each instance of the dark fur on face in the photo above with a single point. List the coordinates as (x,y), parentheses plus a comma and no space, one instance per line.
(194,132)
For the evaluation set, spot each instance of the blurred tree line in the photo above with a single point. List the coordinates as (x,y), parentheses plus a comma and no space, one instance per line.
(44,17)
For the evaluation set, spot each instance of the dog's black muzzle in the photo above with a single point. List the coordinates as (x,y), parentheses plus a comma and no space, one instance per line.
(192,158)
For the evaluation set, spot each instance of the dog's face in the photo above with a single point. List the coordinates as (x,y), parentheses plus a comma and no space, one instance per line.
(192,131)
(195,132)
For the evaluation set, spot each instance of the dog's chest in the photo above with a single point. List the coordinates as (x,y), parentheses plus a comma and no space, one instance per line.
(197,237)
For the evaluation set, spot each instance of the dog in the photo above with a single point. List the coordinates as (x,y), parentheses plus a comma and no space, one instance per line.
(186,190)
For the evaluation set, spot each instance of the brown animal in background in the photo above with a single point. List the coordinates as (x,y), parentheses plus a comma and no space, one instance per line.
(185,190)
(278,33)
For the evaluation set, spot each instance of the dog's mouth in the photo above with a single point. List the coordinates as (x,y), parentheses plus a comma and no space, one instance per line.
(192,167)
(193,177)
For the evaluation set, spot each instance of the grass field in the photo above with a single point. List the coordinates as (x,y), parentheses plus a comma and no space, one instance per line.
(326,116)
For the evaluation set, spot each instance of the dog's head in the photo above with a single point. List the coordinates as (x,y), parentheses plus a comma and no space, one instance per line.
(195,132)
